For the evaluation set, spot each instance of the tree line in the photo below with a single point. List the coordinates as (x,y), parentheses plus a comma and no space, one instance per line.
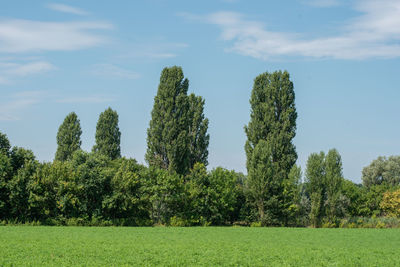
(175,188)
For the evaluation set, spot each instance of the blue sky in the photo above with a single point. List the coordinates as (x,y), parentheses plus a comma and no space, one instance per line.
(84,56)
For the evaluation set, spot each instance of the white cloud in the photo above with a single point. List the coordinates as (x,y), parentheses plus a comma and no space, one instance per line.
(112,71)
(10,111)
(17,36)
(373,34)
(9,71)
(14,106)
(28,68)
(67,9)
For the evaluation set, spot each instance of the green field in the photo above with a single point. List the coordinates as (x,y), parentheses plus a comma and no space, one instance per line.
(206,246)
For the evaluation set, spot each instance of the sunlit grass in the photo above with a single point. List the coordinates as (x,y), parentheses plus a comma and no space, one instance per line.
(206,246)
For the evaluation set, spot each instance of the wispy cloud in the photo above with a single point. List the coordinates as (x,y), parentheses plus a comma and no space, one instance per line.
(14,106)
(67,9)
(113,71)
(18,103)
(18,36)
(9,71)
(374,34)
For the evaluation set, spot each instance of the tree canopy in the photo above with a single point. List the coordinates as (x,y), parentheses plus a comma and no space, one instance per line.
(108,136)
(68,137)
(177,135)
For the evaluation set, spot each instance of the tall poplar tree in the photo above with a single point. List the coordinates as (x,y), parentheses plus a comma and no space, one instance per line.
(68,137)
(269,148)
(315,183)
(177,136)
(324,182)
(108,136)
(334,183)
(198,126)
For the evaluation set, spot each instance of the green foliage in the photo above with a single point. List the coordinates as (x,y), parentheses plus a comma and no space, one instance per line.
(269,148)
(390,203)
(382,171)
(324,183)
(4,144)
(43,192)
(356,196)
(291,204)
(212,197)
(5,177)
(68,137)
(19,157)
(335,204)
(108,136)
(177,135)
(198,126)
(165,194)
(126,200)
(19,192)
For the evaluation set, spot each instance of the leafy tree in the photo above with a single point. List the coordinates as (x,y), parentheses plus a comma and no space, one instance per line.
(222,195)
(93,173)
(382,171)
(68,137)
(198,126)
(390,203)
(324,181)
(212,196)
(43,191)
(315,179)
(126,201)
(269,148)
(333,184)
(19,157)
(18,187)
(108,136)
(165,193)
(177,135)
(5,174)
(372,197)
(5,177)
(69,191)
(4,144)
(292,197)
(355,193)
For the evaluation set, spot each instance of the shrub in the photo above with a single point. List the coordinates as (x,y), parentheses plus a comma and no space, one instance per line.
(255,224)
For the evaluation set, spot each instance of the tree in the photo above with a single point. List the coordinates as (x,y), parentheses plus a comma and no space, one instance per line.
(68,137)
(334,182)
(269,148)
(18,186)
(292,197)
(198,126)
(177,135)
(382,171)
(315,179)
(390,203)
(324,181)
(4,144)
(108,136)
(212,196)
(5,174)
(126,200)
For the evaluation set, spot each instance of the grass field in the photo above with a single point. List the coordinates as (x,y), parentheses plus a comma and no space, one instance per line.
(206,246)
